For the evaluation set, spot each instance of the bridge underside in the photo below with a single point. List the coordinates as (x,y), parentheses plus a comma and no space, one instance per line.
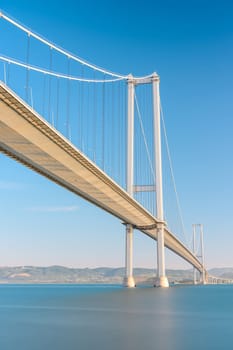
(29,139)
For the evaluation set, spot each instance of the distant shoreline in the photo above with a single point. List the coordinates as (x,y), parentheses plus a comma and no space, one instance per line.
(100,275)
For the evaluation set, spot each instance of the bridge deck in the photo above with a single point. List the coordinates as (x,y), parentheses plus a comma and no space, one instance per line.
(28,138)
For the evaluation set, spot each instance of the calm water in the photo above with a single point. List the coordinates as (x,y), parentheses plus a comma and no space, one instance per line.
(110,317)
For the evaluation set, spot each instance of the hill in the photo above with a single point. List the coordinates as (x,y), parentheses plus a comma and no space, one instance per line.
(61,274)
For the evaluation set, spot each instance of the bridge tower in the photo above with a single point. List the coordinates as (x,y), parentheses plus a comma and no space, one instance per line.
(198,229)
(129,280)
(161,279)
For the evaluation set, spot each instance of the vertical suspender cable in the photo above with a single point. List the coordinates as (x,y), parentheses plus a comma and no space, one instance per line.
(125,128)
(81,109)
(95,114)
(88,124)
(8,74)
(44,95)
(49,87)
(57,111)
(4,72)
(78,114)
(103,126)
(27,70)
(120,131)
(118,134)
(112,140)
(68,130)
(136,181)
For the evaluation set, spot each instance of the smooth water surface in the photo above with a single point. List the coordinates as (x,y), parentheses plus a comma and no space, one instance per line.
(73,317)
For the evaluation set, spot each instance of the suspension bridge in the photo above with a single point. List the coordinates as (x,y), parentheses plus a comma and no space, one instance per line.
(94,132)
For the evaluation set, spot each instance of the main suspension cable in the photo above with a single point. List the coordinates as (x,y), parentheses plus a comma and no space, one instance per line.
(172,176)
(55,74)
(63,51)
(58,49)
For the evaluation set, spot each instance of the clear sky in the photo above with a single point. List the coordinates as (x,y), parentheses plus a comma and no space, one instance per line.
(190,45)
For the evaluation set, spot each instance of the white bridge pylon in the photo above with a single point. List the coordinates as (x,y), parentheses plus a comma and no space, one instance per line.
(161,279)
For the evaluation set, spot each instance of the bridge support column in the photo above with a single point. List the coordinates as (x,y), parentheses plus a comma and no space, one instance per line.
(203,277)
(194,252)
(129,280)
(161,280)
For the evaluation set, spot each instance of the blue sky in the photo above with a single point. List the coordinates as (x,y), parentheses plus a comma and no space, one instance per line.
(190,45)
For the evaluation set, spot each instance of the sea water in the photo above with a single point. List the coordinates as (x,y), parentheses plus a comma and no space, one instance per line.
(78,317)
